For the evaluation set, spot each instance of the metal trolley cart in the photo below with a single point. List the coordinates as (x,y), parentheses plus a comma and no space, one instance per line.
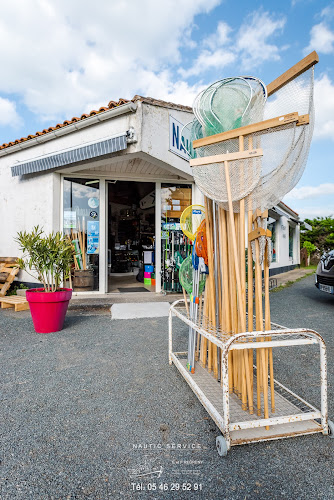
(292,415)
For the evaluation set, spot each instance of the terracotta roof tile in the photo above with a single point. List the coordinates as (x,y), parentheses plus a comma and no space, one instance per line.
(111,105)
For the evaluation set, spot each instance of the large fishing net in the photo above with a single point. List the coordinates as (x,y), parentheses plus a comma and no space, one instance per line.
(261,181)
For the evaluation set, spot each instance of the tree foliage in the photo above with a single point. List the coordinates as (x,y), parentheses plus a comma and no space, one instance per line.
(321,235)
(310,248)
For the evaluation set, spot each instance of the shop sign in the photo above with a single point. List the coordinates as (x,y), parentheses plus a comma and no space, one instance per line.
(175,135)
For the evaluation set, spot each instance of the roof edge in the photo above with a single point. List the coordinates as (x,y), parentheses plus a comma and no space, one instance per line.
(163,104)
(71,127)
(287,209)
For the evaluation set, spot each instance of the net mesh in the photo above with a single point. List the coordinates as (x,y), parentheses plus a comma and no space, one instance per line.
(263,181)
(186,277)
(230,103)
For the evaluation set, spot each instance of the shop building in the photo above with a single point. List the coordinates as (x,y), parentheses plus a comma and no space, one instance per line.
(116,181)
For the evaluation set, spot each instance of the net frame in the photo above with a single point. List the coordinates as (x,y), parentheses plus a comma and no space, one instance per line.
(191,221)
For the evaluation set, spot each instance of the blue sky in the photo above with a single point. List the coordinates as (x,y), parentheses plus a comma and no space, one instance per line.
(61,59)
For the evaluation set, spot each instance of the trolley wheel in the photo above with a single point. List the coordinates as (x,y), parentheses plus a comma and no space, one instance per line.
(330,429)
(221,446)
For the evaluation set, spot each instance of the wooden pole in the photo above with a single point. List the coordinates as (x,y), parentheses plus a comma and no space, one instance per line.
(185,301)
(237,273)
(84,243)
(204,343)
(250,302)
(267,325)
(262,366)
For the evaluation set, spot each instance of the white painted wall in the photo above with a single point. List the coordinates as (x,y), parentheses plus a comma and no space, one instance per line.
(155,136)
(23,205)
(282,244)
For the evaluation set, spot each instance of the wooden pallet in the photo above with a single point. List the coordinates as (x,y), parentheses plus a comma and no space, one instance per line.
(8,271)
(16,301)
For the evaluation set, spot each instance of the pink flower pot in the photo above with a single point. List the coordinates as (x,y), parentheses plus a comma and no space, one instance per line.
(48,309)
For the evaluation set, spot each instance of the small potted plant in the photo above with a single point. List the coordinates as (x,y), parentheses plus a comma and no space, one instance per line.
(47,258)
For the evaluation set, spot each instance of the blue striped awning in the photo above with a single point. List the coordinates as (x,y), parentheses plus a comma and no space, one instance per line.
(69,157)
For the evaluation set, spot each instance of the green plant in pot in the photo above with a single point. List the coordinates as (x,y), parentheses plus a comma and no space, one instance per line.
(48,258)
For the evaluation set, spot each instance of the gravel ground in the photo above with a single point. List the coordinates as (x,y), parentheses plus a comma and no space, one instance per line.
(83,407)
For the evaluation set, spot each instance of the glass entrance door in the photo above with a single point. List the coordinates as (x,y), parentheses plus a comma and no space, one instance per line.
(175,246)
(131,236)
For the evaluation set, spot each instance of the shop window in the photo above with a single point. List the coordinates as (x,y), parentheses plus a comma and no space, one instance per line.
(81,222)
(291,234)
(175,246)
(272,228)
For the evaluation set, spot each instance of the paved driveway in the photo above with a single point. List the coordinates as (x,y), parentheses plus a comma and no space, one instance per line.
(83,409)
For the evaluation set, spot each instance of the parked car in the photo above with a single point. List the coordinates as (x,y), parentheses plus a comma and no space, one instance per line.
(324,279)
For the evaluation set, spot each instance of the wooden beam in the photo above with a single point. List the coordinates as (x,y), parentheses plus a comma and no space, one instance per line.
(246,130)
(303,120)
(257,213)
(256,233)
(293,72)
(239,155)
(9,260)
